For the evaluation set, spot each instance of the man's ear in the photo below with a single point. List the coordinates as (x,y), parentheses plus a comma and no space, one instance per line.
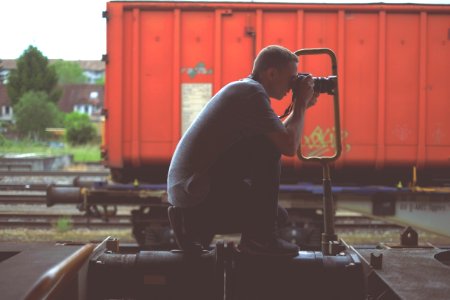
(271,73)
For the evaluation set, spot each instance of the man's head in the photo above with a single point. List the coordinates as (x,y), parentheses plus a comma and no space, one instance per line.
(274,68)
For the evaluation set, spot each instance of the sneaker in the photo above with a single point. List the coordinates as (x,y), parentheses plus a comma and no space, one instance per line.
(273,246)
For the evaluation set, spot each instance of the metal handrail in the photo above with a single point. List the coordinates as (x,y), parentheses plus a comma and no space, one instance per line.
(54,280)
(337,125)
(330,246)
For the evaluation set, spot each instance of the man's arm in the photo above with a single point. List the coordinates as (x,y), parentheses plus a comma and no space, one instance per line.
(288,140)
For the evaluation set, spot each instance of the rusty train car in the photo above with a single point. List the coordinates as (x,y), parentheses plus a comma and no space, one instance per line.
(166,59)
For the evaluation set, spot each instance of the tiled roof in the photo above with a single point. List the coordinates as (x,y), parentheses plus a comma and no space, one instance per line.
(80,94)
(8,64)
(92,65)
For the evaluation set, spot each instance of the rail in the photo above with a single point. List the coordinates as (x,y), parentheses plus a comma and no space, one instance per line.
(23,220)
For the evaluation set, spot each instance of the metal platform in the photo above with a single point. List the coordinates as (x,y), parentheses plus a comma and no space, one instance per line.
(113,271)
(409,273)
(38,271)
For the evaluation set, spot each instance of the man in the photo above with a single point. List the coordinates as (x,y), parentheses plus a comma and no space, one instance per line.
(225,171)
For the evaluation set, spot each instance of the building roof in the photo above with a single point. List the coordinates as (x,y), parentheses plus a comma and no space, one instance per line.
(80,94)
(90,65)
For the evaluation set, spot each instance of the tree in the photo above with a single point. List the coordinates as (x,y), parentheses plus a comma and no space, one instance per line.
(34,113)
(79,129)
(2,77)
(69,72)
(33,74)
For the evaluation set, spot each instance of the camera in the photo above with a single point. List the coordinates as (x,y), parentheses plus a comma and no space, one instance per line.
(321,84)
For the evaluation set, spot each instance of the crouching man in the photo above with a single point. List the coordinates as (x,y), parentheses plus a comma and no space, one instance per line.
(225,172)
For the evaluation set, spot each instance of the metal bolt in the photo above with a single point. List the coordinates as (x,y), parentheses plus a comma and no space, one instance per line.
(112,245)
(376,261)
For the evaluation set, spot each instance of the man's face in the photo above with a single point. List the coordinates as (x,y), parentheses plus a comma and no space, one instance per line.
(281,80)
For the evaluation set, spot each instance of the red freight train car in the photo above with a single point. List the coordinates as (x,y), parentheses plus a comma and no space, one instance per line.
(166,59)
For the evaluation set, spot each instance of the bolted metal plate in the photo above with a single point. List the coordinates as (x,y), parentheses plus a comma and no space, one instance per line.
(412,273)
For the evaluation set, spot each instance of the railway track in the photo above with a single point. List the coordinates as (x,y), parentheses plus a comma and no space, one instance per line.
(26,187)
(33,220)
(50,220)
(15,199)
(31,212)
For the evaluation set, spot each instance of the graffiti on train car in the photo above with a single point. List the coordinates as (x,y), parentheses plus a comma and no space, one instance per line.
(200,68)
(322,140)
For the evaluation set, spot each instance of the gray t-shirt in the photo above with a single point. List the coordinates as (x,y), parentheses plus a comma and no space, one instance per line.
(238,110)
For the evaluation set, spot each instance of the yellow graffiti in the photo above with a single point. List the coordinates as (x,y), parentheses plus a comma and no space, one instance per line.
(321,141)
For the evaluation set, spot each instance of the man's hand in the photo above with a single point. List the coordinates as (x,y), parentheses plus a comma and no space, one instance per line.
(313,100)
(306,95)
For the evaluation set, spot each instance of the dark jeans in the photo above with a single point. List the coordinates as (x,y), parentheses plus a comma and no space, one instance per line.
(243,197)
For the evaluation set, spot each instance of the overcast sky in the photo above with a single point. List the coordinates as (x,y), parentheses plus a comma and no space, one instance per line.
(64,29)
(68,29)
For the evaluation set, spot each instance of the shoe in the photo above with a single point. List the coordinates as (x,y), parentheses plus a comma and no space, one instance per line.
(273,246)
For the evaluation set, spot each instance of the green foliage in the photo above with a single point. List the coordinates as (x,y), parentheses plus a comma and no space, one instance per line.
(3,140)
(2,78)
(34,113)
(69,72)
(63,224)
(32,74)
(79,129)
(101,80)
(6,126)
(23,146)
(86,153)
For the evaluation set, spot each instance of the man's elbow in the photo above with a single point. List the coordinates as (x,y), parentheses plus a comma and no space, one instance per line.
(289,152)
(290,149)
(285,144)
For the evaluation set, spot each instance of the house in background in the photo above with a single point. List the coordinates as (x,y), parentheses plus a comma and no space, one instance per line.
(6,112)
(92,69)
(82,98)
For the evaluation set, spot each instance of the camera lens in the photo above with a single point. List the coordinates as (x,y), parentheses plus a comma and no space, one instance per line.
(325,84)
(321,84)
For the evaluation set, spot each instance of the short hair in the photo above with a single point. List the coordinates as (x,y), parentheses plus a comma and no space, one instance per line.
(272,56)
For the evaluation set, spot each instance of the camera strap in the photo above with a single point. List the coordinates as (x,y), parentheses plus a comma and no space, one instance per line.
(288,109)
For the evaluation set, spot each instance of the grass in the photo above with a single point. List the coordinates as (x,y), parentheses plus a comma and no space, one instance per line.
(89,153)
(55,234)
(64,232)
(63,224)
(81,154)
(359,237)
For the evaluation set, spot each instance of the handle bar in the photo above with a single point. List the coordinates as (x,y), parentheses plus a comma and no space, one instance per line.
(337,125)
